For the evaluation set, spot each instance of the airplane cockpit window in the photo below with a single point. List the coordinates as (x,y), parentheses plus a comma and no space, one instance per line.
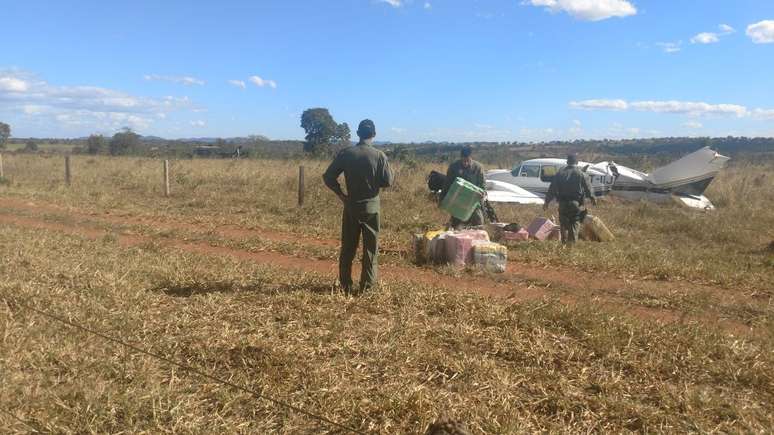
(530,171)
(515,170)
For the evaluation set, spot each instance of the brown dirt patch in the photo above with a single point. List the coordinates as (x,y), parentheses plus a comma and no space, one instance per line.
(511,286)
(573,281)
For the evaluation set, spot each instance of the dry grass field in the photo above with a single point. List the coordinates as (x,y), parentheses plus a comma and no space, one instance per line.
(667,329)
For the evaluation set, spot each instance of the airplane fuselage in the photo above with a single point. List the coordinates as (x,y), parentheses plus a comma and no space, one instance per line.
(683,180)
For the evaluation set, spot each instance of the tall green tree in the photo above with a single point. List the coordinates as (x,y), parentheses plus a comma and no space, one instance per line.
(95,144)
(343,136)
(5,133)
(323,134)
(124,142)
(30,146)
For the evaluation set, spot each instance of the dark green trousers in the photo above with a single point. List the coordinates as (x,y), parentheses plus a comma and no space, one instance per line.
(355,223)
(570,217)
(476,219)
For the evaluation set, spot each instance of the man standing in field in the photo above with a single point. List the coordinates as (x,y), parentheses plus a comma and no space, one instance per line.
(570,187)
(366,171)
(469,170)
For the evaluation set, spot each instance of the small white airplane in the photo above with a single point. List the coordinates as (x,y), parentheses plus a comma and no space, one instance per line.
(682,181)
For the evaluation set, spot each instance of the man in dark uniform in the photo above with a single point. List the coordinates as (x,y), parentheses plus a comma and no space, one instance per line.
(469,170)
(570,187)
(366,171)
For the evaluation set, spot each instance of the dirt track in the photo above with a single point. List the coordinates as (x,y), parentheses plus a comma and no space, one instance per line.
(521,283)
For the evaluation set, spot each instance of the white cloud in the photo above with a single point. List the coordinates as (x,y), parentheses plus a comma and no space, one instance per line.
(258,81)
(576,129)
(238,83)
(32,109)
(81,105)
(712,37)
(198,123)
(393,3)
(679,107)
(587,10)
(13,84)
(670,47)
(705,38)
(600,105)
(398,130)
(690,108)
(428,5)
(764,113)
(693,124)
(761,32)
(183,80)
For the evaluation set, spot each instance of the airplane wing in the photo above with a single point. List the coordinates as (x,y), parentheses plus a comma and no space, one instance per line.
(691,201)
(499,191)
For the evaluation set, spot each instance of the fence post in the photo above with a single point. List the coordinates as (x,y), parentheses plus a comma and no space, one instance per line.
(2,175)
(301,185)
(67,170)
(166,177)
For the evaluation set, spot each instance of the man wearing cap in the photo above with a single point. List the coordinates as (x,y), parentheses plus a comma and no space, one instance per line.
(570,187)
(366,171)
(469,170)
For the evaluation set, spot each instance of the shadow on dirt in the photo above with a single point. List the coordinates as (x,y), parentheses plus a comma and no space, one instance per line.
(192,288)
(188,289)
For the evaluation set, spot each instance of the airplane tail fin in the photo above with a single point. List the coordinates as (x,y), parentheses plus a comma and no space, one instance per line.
(690,174)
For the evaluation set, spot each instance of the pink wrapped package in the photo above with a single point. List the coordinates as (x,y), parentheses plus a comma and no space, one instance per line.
(520,236)
(540,228)
(459,246)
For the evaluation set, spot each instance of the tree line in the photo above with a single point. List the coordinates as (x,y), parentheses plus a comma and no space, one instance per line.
(324,137)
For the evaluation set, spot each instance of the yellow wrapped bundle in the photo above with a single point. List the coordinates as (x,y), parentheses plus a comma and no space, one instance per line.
(491,256)
(595,229)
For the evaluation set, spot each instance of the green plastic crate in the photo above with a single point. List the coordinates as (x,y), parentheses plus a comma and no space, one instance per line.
(462,199)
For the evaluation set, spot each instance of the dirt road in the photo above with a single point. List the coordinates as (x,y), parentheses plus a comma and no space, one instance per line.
(523,282)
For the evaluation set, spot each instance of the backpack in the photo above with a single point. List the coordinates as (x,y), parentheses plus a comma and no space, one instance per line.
(436,181)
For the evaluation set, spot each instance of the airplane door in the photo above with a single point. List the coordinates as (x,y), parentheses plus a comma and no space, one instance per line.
(529,178)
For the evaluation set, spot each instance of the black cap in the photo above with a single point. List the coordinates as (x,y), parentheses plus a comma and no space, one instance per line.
(366,129)
(572,159)
(466,151)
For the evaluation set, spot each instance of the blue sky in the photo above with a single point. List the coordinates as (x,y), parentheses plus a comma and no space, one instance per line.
(499,70)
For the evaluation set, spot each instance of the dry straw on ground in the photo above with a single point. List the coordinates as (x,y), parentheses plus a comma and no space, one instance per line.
(392,361)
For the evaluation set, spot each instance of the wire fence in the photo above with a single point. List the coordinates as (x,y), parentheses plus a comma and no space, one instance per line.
(185,367)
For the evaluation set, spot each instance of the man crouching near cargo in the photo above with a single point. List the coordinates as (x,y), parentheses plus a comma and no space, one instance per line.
(471,171)
(366,171)
(570,187)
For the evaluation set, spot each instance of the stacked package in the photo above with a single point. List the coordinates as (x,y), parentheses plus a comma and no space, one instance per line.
(459,246)
(436,249)
(495,231)
(490,256)
(541,228)
(519,236)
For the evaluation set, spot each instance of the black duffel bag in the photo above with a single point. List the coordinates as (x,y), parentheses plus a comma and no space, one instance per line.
(436,181)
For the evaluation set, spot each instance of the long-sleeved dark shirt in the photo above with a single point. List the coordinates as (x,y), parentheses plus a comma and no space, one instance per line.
(473,173)
(569,184)
(366,171)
